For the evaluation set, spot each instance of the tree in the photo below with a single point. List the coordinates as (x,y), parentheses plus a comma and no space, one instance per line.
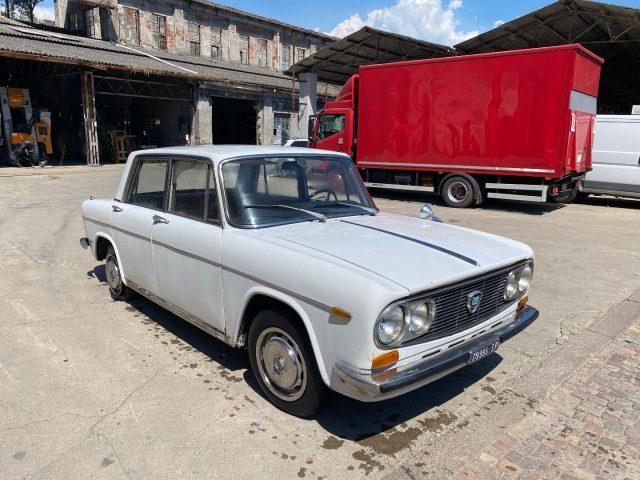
(8,8)
(27,7)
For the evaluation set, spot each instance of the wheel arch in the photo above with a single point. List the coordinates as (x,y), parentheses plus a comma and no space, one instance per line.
(258,299)
(477,195)
(102,242)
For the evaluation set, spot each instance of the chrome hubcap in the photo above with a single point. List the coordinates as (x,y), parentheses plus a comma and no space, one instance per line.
(281,365)
(113,274)
(458,191)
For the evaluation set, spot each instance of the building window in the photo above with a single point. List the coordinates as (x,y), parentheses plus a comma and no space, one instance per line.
(160,32)
(132,25)
(216,43)
(194,38)
(286,58)
(301,54)
(75,22)
(261,52)
(92,21)
(243,43)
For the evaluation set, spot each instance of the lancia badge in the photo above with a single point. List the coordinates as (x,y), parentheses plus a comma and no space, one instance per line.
(473,301)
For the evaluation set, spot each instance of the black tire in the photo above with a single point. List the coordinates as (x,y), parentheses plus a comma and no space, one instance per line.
(458,192)
(283,363)
(117,288)
(568,197)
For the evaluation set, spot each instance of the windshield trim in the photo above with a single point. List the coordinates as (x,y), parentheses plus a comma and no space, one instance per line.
(223,192)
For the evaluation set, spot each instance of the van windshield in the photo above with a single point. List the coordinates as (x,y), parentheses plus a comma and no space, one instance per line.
(265,191)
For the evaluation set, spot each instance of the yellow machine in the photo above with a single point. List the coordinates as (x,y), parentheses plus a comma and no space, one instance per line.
(20,128)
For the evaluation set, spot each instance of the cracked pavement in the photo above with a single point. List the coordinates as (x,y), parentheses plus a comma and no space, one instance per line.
(91,388)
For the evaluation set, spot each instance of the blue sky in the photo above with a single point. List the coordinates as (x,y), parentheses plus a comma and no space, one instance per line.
(442,21)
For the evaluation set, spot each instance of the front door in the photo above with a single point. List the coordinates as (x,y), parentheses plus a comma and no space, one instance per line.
(133,220)
(187,243)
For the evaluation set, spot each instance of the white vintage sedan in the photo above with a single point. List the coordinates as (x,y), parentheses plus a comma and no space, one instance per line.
(283,251)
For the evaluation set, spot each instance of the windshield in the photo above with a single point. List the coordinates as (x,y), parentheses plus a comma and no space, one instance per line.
(272,191)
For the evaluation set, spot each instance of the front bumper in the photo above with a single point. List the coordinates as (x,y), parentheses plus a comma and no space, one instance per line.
(85,242)
(370,386)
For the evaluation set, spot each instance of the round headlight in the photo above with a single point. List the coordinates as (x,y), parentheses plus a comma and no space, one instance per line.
(390,325)
(512,286)
(421,318)
(525,279)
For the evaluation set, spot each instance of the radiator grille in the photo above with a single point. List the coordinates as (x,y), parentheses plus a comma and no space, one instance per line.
(452,315)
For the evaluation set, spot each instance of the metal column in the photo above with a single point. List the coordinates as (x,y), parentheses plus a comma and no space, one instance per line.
(92,148)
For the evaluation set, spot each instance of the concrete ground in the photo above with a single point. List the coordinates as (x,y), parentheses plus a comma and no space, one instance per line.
(91,388)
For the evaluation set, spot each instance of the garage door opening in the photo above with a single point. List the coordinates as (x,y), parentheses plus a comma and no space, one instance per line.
(234,121)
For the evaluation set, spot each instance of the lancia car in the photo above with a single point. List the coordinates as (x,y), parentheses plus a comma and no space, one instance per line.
(281,250)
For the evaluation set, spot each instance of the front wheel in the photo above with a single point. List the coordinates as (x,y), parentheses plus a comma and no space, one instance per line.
(283,363)
(458,192)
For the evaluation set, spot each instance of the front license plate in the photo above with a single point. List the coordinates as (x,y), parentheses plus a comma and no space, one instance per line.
(482,352)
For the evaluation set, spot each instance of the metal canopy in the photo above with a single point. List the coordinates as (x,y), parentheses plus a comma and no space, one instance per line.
(610,31)
(338,61)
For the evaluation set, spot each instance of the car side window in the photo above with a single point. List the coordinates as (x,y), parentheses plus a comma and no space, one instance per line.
(192,193)
(149,185)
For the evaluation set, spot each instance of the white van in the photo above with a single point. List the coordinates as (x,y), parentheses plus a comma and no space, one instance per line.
(616,157)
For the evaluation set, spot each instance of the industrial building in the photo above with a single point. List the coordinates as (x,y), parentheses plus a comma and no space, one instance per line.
(117,75)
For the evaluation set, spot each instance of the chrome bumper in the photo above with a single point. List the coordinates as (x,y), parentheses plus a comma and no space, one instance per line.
(417,375)
(85,242)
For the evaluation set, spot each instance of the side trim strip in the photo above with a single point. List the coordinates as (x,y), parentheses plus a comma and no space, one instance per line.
(421,242)
(215,264)
(458,167)
(122,230)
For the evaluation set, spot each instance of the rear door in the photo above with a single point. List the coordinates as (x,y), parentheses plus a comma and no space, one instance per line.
(187,243)
(133,219)
(616,155)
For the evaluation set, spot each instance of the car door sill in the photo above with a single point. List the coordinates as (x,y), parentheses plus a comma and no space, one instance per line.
(192,319)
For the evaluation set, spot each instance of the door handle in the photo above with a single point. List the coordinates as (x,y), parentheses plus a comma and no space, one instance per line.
(158,219)
(116,209)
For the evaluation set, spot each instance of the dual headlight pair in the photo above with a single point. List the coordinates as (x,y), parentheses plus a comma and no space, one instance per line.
(518,282)
(405,321)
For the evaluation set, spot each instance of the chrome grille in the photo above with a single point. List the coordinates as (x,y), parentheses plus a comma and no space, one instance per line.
(452,315)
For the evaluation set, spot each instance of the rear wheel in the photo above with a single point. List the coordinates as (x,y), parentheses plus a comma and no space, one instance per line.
(568,197)
(283,363)
(117,288)
(458,192)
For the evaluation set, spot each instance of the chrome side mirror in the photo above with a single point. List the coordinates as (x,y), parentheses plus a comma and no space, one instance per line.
(426,213)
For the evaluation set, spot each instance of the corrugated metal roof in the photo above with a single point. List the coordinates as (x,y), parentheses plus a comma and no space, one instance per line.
(338,61)
(19,40)
(600,27)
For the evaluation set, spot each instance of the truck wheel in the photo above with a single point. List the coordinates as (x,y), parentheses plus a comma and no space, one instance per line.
(283,363)
(568,197)
(458,192)
(117,288)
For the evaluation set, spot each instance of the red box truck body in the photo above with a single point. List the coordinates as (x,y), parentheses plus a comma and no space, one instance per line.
(515,124)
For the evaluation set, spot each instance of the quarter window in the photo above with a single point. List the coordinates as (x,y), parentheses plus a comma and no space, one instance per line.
(148,190)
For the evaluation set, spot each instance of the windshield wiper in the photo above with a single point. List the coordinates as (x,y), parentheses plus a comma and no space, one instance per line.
(315,215)
(371,211)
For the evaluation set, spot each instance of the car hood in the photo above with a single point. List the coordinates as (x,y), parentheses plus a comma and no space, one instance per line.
(413,253)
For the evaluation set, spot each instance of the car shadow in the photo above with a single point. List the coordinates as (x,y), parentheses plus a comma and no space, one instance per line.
(98,273)
(340,416)
(527,208)
(352,420)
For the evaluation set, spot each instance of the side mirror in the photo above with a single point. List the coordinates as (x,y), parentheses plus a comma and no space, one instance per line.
(426,213)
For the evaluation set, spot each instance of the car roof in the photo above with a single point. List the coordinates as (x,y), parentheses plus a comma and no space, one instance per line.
(218,153)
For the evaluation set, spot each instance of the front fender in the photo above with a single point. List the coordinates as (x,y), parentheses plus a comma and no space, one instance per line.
(305,311)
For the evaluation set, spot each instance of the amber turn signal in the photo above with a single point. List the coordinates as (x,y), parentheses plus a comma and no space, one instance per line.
(385,360)
(340,313)
(522,302)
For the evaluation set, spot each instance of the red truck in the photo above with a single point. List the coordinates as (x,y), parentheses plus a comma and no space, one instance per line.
(512,125)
